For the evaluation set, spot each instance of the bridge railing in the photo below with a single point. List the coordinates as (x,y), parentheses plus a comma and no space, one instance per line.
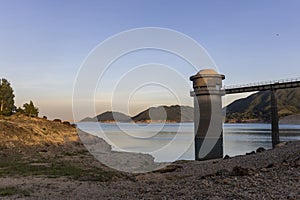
(290,80)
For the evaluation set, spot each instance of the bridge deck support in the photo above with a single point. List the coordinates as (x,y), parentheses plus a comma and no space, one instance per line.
(275,126)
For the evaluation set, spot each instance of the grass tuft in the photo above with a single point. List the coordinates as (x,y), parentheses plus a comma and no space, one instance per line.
(55,170)
(10,191)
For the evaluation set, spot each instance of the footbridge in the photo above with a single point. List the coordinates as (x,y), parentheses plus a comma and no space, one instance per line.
(271,86)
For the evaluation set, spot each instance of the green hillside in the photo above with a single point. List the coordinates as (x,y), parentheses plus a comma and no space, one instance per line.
(257,107)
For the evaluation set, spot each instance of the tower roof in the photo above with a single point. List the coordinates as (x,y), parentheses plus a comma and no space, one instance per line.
(207,72)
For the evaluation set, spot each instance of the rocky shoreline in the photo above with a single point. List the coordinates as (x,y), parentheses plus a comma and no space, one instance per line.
(64,170)
(272,174)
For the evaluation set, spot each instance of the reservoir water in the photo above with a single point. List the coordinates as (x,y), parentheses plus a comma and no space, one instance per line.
(174,141)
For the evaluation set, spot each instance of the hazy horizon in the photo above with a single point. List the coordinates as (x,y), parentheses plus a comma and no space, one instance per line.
(44,44)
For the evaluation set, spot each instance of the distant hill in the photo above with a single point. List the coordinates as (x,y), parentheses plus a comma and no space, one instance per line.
(88,119)
(257,107)
(173,113)
(113,116)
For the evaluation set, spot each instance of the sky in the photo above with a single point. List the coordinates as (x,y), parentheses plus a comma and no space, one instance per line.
(43,44)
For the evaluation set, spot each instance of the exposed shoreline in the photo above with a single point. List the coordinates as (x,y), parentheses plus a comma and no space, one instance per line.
(273,174)
(270,174)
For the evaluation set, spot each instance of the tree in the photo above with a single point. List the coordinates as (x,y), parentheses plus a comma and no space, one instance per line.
(6,98)
(19,110)
(30,110)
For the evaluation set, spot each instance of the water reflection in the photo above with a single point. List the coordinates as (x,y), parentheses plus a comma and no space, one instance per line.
(166,142)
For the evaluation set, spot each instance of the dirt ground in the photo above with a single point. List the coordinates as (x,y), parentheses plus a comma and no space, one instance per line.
(61,168)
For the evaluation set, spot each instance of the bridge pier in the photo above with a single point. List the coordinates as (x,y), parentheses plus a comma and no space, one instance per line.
(275,118)
(272,87)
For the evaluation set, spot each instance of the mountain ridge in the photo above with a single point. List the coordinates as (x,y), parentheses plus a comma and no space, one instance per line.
(257,107)
(173,113)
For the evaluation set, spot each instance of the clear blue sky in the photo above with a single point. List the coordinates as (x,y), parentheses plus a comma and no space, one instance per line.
(43,43)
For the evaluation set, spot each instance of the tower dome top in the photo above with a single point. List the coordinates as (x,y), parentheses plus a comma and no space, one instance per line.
(207,72)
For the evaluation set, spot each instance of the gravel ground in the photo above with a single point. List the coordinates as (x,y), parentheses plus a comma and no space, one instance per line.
(271,174)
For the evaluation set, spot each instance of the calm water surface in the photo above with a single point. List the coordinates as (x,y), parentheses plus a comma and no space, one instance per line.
(174,141)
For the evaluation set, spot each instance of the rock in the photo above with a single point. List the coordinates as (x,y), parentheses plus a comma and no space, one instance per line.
(41,164)
(264,170)
(226,181)
(222,172)
(226,157)
(291,196)
(260,149)
(168,168)
(240,171)
(252,152)
(270,165)
(206,183)
(280,144)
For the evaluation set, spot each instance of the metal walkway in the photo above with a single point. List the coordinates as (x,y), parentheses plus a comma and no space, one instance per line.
(263,86)
(272,86)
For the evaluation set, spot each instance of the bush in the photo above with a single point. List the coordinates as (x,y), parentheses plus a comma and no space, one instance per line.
(30,110)
(57,120)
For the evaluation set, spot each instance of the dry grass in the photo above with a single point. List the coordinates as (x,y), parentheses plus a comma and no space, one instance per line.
(39,147)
